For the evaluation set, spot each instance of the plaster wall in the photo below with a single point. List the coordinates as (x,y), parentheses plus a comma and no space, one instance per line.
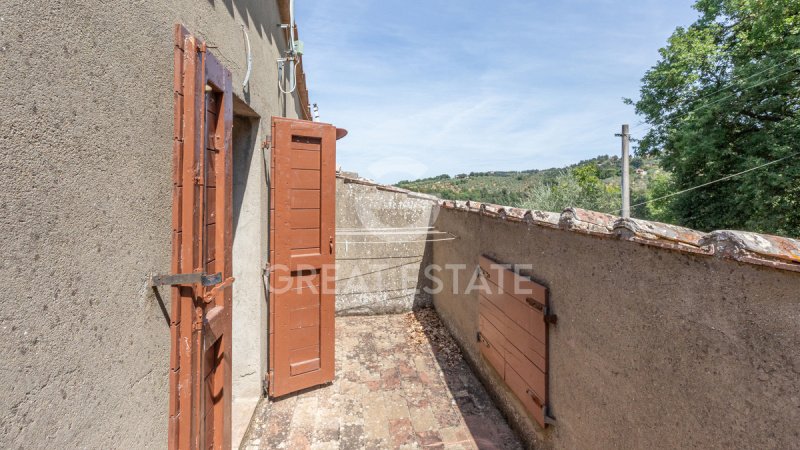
(87,125)
(250,325)
(380,249)
(653,348)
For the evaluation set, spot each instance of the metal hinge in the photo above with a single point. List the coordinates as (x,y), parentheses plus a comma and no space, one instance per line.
(219,287)
(548,317)
(186,279)
(548,419)
(268,381)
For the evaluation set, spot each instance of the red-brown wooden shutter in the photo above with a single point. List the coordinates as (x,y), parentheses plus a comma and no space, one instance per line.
(513,322)
(303,188)
(200,376)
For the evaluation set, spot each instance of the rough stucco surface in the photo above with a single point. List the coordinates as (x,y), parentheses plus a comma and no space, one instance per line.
(249,249)
(653,348)
(87,125)
(380,249)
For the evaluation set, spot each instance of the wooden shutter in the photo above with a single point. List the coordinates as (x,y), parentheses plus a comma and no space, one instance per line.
(513,322)
(200,376)
(303,189)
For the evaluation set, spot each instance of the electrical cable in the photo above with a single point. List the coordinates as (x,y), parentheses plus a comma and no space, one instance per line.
(291,27)
(710,182)
(745,78)
(249,57)
(700,107)
(294,77)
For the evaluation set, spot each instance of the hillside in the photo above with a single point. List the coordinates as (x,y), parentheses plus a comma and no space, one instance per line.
(591,184)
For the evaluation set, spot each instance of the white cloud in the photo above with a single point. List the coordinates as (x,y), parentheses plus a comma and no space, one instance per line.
(449,87)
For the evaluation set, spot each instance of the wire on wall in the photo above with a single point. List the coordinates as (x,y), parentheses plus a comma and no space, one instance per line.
(249,58)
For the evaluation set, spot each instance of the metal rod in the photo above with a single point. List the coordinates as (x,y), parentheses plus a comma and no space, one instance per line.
(399,242)
(386,233)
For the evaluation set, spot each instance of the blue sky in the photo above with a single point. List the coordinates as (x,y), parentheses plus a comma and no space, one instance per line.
(453,86)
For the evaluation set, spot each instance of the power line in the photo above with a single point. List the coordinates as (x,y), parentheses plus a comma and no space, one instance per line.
(711,182)
(731,84)
(745,78)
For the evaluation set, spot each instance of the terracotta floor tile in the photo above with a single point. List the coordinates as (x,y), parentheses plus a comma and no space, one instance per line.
(392,390)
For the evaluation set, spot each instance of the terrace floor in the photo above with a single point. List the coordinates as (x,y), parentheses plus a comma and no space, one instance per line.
(400,383)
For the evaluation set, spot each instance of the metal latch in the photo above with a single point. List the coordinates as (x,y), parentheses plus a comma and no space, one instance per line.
(186,279)
(548,317)
(219,287)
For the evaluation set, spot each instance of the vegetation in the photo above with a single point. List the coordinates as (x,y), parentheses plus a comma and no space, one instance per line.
(592,184)
(724,98)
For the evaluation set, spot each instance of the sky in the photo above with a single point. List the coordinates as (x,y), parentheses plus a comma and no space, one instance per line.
(457,86)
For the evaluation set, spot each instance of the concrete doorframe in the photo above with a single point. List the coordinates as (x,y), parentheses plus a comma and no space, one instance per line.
(250,210)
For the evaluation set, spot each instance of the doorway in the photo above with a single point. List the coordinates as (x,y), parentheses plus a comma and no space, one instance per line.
(249,307)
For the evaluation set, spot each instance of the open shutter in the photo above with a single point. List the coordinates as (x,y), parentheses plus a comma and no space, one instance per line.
(303,188)
(200,376)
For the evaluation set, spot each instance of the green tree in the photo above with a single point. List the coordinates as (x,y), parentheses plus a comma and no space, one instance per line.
(723,98)
(580,187)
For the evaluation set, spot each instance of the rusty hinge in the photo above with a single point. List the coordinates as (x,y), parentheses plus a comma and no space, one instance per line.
(548,317)
(268,381)
(218,287)
(186,279)
(548,419)
(535,398)
(483,340)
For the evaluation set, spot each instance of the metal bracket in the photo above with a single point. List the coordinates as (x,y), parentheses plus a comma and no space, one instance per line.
(535,398)
(186,279)
(218,287)
(548,317)
(548,419)
(534,304)
(267,382)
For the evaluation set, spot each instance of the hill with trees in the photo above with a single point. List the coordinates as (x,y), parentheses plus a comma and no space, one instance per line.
(721,138)
(591,184)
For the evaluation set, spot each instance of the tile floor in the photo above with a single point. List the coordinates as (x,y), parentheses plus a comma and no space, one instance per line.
(400,383)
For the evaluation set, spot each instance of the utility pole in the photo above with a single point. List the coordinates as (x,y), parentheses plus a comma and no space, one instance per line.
(626,180)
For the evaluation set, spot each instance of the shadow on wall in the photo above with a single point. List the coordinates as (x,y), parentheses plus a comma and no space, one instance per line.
(259,15)
(245,135)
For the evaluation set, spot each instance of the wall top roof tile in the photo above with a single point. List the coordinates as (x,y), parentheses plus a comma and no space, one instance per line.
(752,248)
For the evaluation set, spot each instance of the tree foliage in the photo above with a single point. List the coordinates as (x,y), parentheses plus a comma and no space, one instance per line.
(580,186)
(723,98)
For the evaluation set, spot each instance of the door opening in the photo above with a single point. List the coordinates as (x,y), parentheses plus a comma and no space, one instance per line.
(249,306)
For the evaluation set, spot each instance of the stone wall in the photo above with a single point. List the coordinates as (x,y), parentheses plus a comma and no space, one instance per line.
(381,235)
(664,339)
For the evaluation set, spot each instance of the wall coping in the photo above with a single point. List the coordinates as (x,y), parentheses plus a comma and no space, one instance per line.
(743,246)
